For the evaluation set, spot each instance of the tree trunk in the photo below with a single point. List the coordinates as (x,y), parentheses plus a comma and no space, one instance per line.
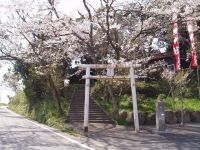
(56,95)
(115,103)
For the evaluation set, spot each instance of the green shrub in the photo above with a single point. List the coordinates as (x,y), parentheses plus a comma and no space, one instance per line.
(152,88)
(125,102)
(43,111)
(190,104)
(147,105)
(98,90)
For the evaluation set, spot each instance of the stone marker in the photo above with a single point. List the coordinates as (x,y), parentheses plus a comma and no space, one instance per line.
(160,116)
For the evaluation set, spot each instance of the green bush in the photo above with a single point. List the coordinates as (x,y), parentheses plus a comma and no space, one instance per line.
(98,90)
(191,104)
(152,88)
(43,111)
(125,102)
(147,105)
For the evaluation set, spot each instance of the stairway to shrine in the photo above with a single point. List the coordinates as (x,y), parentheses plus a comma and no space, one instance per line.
(76,111)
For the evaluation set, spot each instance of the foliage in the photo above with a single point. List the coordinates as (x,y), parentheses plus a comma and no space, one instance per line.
(148,105)
(43,41)
(36,86)
(191,104)
(125,102)
(123,93)
(183,83)
(152,88)
(3,104)
(19,103)
(40,34)
(144,89)
(111,92)
(43,111)
(98,90)
(147,93)
(11,80)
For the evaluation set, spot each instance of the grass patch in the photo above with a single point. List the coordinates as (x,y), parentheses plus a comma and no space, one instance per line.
(59,123)
(149,104)
(190,104)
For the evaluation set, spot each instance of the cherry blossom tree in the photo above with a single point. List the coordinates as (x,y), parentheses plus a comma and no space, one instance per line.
(124,32)
(35,32)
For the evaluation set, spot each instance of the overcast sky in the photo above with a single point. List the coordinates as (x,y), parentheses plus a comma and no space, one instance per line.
(4,91)
(71,7)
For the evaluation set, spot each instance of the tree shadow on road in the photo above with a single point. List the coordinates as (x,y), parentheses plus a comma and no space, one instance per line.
(125,138)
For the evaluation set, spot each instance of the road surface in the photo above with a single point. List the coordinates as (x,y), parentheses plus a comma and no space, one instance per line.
(18,133)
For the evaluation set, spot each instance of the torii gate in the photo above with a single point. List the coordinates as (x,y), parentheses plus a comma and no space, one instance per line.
(110,75)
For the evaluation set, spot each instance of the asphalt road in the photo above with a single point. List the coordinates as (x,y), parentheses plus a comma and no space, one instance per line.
(122,138)
(18,133)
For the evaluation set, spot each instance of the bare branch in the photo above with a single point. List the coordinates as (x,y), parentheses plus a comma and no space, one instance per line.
(52,4)
(91,25)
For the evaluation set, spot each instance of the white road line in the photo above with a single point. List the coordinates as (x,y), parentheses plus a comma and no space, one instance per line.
(51,130)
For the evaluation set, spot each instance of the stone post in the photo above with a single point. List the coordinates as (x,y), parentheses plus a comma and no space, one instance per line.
(160,116)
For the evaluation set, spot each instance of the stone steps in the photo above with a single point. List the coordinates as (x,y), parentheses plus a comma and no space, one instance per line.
(76,112)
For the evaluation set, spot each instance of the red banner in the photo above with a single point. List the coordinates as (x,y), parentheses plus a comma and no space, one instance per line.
(193,54)
(176,42)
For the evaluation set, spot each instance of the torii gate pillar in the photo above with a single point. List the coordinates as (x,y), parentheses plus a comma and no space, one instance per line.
(87,96)
(134,99)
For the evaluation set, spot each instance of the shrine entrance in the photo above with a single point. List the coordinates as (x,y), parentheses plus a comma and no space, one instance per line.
(110,75)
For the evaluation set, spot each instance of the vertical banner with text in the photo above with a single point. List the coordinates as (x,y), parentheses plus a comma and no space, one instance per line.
(176,41)
(193,54)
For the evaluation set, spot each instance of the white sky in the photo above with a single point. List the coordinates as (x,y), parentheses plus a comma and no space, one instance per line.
(69,7)
(4,91)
